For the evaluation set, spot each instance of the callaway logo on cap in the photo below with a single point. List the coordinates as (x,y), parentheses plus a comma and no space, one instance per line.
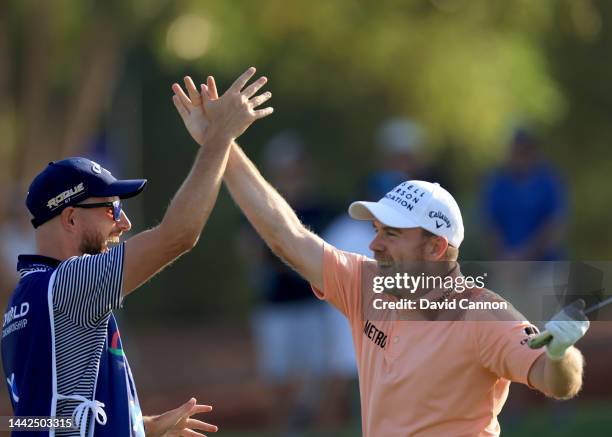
(70,181)
(415,204)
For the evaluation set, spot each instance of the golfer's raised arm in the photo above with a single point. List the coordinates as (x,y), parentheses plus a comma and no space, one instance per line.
(273,218)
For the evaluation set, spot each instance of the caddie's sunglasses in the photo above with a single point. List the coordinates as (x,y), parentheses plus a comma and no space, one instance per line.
(116,207)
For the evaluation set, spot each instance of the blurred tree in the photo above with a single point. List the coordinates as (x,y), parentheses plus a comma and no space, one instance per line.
(463,68)
(466,69)
(59,62)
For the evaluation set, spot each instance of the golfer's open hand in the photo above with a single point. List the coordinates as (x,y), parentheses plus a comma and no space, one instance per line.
(205,114)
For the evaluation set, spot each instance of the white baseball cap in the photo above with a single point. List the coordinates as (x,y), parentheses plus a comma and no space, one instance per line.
(415,204)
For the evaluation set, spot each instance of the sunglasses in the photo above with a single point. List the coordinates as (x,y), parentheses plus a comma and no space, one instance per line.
(116,207)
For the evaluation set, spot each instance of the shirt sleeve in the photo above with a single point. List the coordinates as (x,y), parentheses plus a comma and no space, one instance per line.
(503,348)
(341,280)
(88,287)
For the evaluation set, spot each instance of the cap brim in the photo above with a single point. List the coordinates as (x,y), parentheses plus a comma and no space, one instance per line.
(124,189)
(385,214)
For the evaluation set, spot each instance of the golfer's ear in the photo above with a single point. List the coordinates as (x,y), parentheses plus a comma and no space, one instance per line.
(437,248)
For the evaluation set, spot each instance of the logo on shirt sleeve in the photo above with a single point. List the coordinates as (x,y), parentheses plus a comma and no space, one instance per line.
(530,331)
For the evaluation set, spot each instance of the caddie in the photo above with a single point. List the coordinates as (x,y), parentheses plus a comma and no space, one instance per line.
(61,349)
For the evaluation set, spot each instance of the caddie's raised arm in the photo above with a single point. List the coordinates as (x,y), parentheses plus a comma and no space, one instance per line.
(214,128)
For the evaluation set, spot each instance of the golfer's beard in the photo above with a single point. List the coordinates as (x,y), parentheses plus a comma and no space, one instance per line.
(418,268)
(92,244)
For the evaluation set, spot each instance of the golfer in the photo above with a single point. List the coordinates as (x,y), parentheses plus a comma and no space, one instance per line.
(61,349)
(417,377)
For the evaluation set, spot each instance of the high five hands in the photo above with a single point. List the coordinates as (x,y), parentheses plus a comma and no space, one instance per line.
(207,115)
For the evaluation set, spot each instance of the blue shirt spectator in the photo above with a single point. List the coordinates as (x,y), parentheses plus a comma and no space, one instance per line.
(525,205)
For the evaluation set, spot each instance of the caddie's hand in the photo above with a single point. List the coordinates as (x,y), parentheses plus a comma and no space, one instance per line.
(567,327)
(178,422)
(232,113)
(191,109)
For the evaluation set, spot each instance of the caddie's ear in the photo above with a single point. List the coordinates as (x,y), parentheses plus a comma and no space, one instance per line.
(68,219)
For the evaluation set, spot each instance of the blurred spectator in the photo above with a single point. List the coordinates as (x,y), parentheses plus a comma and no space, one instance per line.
(341,368)
(400,144)
(16,237)
(524,205)
(288,326)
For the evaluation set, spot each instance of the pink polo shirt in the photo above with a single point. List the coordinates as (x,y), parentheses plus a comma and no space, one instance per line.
(426,378)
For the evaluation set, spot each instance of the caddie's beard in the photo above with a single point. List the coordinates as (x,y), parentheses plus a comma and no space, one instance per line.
(94,243)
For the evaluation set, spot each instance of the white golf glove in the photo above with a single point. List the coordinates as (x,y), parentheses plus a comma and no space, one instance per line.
(567,327)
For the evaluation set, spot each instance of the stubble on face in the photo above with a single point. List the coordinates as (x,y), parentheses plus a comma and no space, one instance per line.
(92,243)
(412,263)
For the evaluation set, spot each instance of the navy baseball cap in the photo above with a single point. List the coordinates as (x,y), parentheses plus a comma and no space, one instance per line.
(70,181)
